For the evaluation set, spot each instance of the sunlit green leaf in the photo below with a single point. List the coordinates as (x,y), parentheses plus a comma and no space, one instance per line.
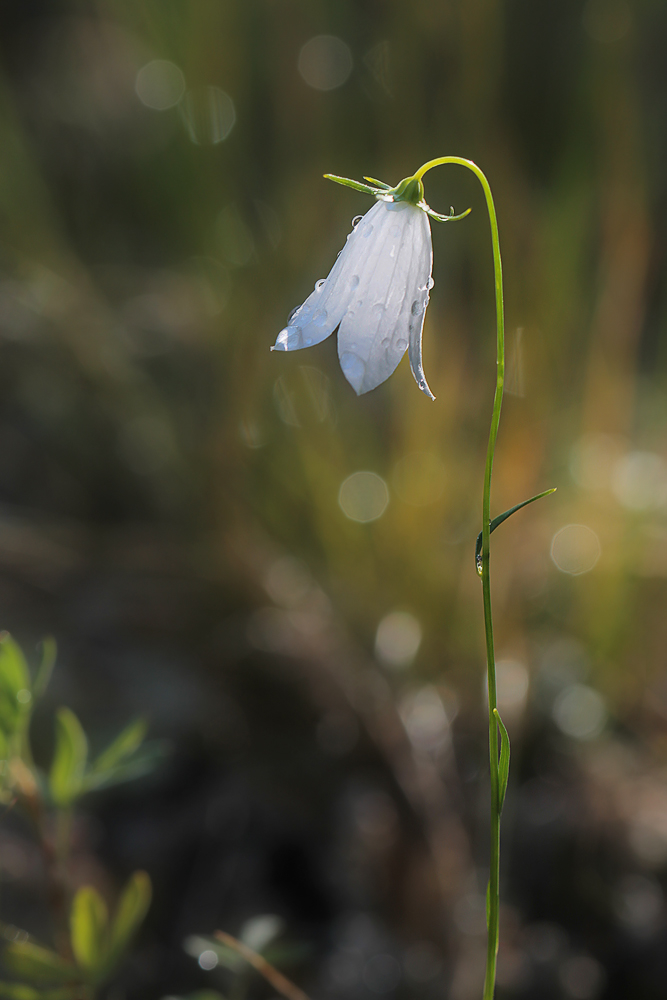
(132,908)
(122,747)
(39,965)
(69,759)
(508,513)
(88,929)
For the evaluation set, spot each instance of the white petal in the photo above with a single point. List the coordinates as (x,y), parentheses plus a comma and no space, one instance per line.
(391,298)
(418,310)
(324,308)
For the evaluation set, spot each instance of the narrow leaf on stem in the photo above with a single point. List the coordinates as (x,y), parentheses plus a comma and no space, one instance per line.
(504,762)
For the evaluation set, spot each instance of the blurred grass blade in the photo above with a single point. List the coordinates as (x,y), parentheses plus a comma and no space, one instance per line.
(132,908)
(346,182)
(89,929)
(19,991)
(45,669)
(69,759)
(123,746)
(504,762)
(39,965)
(503,517)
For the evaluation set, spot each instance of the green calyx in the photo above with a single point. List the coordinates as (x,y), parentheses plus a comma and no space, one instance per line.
(410,190)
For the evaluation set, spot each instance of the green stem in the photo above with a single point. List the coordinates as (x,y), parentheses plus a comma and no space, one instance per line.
(494,875)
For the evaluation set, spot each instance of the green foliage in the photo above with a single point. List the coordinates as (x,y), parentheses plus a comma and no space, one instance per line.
(98,945)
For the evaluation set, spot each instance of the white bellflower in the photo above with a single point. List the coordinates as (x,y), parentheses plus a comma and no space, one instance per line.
(377,291)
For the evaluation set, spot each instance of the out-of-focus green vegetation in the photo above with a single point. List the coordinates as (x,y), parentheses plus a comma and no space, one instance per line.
(164,477)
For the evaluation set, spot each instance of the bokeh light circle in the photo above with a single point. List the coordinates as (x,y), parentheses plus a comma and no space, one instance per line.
(325,62)
(363,496)
(575,549)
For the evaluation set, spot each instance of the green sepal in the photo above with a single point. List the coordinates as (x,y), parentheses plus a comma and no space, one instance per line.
(503,517)
(447,218)
(355,185)
(504,762)
(380,184)
(37,964)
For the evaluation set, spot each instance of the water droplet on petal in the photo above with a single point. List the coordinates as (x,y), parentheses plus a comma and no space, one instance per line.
(359,304)
(386,343)
(320,317)
(293,313)
(401,345)
(377,309)
(353,368)
(319,283)
(416,308)
(393,251)
(430,284)
(367,230)
(354,281)
(308,341)
(356,220)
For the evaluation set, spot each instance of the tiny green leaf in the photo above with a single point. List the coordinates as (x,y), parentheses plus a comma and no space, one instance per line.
(14,683)
(69,759)
(504,762)
(41,965)
(88,929)
(122,747)
(45,669)
(142,762)
(132,908)
(355,185)
(503,517)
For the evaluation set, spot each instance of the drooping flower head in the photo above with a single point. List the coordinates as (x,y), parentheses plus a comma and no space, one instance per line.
(377,291)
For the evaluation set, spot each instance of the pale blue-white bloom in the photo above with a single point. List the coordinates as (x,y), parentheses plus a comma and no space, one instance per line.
(376,294)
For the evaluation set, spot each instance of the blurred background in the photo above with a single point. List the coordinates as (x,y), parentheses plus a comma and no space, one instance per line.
(280,575)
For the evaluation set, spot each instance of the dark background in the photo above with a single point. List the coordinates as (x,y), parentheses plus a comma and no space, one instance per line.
(169,490)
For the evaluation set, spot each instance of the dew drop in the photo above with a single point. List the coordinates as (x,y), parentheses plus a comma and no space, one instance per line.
(401,344)
(320,317)
(319,283)
(368,229)
(393,251)
(478,565)
(386,343)
(308,341)
(293,313)
(416,308)
(359,303)
(356,220)
(378,309)
(354,281)
(430,284)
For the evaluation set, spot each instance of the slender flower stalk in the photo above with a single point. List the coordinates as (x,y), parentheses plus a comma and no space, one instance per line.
(493,893)
(377,293)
